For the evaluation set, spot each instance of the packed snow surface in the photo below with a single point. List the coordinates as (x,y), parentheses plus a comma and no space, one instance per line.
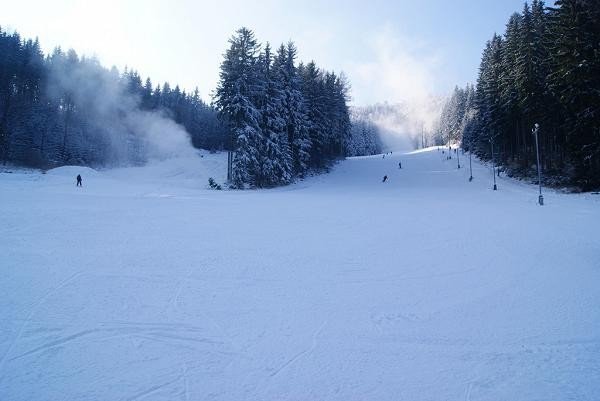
(146,285)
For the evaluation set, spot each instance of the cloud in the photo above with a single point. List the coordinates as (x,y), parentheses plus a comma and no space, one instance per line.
(401,72)
(115,123)
(400,69)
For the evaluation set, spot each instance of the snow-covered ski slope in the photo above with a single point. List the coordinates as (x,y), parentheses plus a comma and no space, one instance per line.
(145,285)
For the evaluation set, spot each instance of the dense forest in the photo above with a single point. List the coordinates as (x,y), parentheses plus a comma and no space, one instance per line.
(64,109)
(285,118)
(365,134)
(280,118)
(545,69)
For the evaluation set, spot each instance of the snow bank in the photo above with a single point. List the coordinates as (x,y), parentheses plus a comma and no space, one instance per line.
(72,171)
(189,172)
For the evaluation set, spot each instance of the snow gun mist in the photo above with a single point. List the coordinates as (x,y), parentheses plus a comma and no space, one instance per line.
(107,119)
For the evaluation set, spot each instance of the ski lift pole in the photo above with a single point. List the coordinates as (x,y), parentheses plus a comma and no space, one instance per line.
(535,130)
(493,164)
(458,157)
(470,164)
(470,167)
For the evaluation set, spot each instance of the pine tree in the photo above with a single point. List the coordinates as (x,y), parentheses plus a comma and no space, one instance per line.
(313,91)
(234,98)
(294,105)
(276,163)
(575,81)
(488,94)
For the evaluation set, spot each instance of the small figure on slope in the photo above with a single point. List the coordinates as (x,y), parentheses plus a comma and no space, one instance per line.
(384,178)
(79,180)
(400,165)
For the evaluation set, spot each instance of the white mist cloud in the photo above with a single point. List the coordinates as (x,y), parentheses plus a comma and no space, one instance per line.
(165,139)
(401,72)
(113,117)
(398,71)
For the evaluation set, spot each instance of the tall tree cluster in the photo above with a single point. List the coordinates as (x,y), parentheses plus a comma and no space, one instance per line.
(284,118)
(64,109)
(545,69)
(455,115)
(365,136)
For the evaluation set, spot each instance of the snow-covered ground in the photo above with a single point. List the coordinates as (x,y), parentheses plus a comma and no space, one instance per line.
(144,284)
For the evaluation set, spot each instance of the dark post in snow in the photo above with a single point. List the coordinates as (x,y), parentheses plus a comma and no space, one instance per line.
(229,165)
(449,147)
(470,165)
(458,157)
(535,130)
(493,164)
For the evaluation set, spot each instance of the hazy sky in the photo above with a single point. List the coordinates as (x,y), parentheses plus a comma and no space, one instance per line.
(390,50)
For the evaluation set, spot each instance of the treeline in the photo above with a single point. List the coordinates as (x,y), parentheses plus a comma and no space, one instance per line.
(365,136)
(65,109)
(284,118)
(545,69)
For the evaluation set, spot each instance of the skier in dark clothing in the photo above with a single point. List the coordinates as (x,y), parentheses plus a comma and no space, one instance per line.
(400,165)
(79,180)
(384,178)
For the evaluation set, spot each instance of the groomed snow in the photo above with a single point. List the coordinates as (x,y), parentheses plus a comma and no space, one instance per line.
(144,284)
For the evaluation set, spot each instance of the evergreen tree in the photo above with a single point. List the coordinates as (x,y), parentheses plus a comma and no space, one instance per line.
(276,163)
(294,108)
(235,98)
(313,92)
(575,81)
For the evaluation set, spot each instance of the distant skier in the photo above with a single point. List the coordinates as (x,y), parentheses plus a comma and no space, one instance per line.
(79,180)
(383,156)
(400,165)
(384,178)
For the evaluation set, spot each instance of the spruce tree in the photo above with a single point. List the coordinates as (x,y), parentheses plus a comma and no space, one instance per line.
(575,81)
(294,105)
(275,157)
(234,98)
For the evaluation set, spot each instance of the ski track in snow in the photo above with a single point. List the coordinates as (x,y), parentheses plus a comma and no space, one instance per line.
(301,353)
(145,285)
(31,314)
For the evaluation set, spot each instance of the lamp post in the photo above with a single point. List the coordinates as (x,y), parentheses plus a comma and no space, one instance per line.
(493,164)
(470,165)
(535,130)
(229,164)
(458,157)
(449,146)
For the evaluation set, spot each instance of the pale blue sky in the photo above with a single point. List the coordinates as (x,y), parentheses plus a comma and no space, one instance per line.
(390,50)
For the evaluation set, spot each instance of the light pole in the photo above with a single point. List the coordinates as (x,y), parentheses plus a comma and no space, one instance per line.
(449,147)
(458,158)
(493,164)
(229,164)
(470,165)
(535,130)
